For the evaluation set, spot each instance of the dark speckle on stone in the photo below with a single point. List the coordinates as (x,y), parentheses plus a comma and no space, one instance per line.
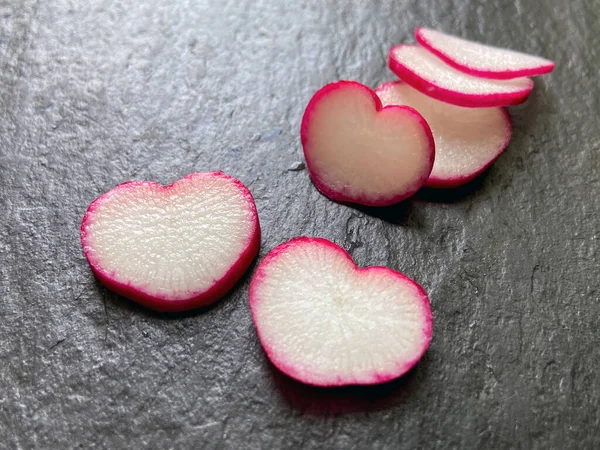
(298,166)
(145,90)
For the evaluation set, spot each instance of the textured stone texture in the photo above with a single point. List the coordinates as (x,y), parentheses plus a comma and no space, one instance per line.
(98,92)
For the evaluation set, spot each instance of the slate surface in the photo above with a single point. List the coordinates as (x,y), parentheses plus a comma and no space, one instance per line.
(98,92)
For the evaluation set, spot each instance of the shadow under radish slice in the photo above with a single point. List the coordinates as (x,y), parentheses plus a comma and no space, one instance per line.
(172,248)
(359,152)
(434,78)
(482,60)
(467,140)
(325,322)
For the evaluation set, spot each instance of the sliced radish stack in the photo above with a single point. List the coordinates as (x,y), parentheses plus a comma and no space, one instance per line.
(430,75)
(482,60)
(326,322)
(176,247)
(359,152)
(467,140)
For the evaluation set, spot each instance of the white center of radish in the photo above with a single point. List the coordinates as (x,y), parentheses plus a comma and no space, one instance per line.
(170,241)
(362,154)
(330,322)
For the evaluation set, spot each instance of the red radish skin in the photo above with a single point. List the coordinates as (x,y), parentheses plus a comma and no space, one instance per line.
(308,303)
(357,151)
(467,140)
(482,60)
(431,76)
(194,189)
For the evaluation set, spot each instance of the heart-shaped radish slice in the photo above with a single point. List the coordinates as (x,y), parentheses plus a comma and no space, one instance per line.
(430,75)
(326,322)
(358,152)
(482,60)
(176,247)
(467,140)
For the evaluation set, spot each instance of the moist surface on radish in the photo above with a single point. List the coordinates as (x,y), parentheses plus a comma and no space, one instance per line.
(176,247)
(326,322)
(358,152)
(467,140)
(482,60)
(430,75)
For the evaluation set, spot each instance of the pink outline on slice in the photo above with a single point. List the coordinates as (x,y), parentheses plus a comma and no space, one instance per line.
(359,152)
(482,60)
(431,76)
(326,322)
(172,248)
(467,140)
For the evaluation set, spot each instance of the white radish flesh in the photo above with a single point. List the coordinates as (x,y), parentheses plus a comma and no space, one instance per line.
(482,60)
(360,153)
(326,322)
(431,76)
(467,140)
(176,247)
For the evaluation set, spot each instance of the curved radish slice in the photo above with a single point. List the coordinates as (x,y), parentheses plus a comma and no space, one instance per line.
(467,140)
(482,60)
(360,153)
(326,322)
(176,247)
(432,77)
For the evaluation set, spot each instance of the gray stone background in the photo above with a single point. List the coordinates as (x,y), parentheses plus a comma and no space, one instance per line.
(97,92)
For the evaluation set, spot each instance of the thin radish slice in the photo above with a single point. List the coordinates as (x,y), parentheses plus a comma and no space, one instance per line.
(358,152)
(176,247)
(326,322)
(482,60)
(467,140)
(430,75)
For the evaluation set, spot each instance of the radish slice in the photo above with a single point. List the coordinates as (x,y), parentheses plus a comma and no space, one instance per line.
(360,153)
(467,140)
(176,247)
(434,78)
(326,322)
(482,60)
